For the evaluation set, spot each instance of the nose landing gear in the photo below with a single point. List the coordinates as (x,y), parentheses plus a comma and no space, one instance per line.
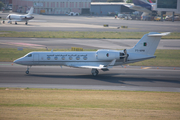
(27,71)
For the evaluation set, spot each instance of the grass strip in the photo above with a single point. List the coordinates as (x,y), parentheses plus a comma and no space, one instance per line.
(82,35)
(88,104)
(167,58)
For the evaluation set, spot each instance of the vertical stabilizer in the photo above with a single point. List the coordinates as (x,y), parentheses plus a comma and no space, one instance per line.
(148,43)
(150,1)
(143,3)
(31,11)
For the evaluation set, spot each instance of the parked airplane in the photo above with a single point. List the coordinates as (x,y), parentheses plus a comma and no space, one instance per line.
(97,60)
(21,18)
(143,6)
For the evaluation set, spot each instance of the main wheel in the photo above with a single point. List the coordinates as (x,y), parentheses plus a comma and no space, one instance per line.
(27,72)
(95,72)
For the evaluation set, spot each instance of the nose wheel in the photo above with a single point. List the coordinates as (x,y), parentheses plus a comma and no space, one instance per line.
(27,71)
(26,23)
(94,72)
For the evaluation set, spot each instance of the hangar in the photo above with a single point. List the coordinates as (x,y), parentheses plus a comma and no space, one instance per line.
(52,6)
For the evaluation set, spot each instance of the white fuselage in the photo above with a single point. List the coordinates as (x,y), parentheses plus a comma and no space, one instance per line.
(74,59)
(19,18)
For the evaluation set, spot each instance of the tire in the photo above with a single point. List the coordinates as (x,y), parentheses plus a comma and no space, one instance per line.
(95,73)
(27,72)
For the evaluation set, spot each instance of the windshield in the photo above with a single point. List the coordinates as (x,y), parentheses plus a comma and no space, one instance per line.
(28,55)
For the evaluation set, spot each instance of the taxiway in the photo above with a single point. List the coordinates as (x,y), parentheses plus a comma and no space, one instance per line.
(89,23)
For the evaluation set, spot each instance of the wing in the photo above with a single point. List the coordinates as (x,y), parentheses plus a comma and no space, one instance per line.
(138,8)
(94,66)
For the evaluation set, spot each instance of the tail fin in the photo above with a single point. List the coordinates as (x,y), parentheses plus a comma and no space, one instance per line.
(150,1)
(31,11)
(143,3)
(148,43)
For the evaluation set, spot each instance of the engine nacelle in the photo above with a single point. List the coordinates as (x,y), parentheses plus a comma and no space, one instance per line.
(107,55)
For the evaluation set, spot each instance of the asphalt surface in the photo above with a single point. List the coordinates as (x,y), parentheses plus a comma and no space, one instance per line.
(83,43)
(89,23)
(118,78)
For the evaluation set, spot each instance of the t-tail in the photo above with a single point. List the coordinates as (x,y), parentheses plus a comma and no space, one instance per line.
(143,3)
(150,1)
(148,44)
(30,11)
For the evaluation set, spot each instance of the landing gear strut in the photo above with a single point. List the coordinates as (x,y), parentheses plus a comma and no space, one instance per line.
(94,72)
(27,71)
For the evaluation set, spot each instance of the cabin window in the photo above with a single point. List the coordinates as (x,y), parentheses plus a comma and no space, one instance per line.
(77,58)
(48,58)
(70,57)
(30,55)
(85,58)
(56,58)
(63,58)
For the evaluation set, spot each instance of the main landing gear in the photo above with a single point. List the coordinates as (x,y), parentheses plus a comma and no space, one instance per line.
(16,23)
(26,23)
(94,72)
(27,71)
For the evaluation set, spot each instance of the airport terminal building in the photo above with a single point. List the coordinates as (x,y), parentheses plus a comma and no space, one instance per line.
(52,6)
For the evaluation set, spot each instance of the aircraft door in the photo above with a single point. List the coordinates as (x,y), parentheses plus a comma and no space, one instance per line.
(36,58)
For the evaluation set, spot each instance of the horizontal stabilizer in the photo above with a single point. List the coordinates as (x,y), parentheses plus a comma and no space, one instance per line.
(152,34)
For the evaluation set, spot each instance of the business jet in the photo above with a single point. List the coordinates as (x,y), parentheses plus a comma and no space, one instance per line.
(97,60)
(20,18)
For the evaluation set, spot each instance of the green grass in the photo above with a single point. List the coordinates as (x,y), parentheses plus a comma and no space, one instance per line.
(86,35)
(168,58)
(88,104)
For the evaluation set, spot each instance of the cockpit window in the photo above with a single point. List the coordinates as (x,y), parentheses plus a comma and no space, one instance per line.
(30,55)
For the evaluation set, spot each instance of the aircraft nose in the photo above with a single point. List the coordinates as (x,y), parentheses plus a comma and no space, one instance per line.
(17,61)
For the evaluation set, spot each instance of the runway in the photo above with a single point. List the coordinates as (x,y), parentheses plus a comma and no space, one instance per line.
(118,78)
(89,23)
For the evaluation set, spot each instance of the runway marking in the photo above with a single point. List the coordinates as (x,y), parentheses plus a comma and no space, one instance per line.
(23,44)
(146,68)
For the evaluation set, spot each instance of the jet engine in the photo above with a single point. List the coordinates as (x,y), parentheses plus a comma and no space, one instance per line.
(124,55)
(107,55)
